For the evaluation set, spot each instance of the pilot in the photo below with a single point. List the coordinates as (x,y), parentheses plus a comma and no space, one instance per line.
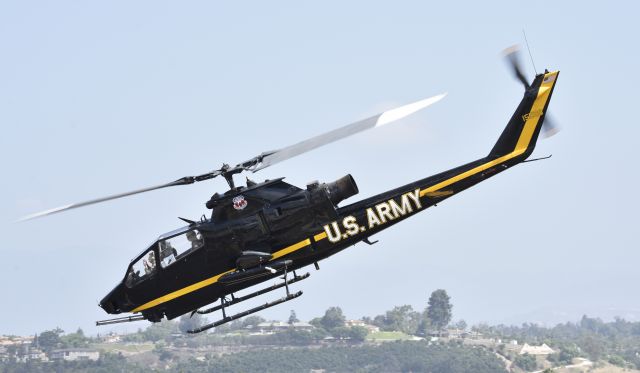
(149,263)
(132,277)
(166,250)
(195,240)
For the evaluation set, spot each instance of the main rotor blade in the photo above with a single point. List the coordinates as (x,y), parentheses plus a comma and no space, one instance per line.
(182,181)
(267,158)
(271,158)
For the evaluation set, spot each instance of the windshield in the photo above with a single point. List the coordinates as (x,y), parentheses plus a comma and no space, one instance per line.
(175,248)
(142,268)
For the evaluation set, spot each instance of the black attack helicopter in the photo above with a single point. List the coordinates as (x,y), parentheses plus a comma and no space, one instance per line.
(271,229)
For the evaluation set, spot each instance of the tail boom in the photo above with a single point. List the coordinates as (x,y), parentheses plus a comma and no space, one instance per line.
(362,219)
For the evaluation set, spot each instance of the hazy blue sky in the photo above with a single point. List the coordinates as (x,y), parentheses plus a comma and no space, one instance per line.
(103,97)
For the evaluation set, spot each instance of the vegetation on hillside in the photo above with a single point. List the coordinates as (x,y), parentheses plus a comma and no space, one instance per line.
(387,357)
(252,344)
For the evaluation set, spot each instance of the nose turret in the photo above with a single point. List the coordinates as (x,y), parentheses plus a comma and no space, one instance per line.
(108,306)
(115,301)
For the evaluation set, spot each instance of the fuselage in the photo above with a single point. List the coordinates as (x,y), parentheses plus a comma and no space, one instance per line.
(293,224)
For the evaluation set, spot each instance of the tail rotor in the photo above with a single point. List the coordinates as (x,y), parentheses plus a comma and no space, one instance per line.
(512,56)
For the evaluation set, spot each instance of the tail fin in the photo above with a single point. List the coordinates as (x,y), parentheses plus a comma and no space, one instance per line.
(521,134)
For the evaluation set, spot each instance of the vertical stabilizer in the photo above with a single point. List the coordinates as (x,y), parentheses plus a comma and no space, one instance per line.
(521,133)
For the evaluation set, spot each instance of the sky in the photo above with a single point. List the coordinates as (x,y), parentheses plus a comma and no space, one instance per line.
(98,98)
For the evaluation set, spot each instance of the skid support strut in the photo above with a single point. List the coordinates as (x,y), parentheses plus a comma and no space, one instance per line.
(245,313)
(224,302)
(234,300)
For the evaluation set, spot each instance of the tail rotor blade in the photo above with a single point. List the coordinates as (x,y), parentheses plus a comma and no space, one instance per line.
(549,127)
(512,54)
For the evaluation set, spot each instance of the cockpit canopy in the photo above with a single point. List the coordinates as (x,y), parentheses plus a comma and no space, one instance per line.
(168,249)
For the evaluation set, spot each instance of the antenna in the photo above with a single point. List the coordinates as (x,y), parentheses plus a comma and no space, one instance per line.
(527,43)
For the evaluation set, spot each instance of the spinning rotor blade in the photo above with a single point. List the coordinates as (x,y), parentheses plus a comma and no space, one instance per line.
(183,181)
(267,159)
(512,54)
(549,127)
(271,158)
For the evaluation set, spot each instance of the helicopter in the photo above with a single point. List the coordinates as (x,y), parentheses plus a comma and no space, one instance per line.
(261,231)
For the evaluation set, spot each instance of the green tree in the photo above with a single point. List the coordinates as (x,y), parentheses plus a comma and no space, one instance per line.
(341,332)
(12,352)
(75,340)
(161,350)
(317,322)
(333,318)
(293,318)
(137,337)
(567,354)
(526,362)
(188,322)
(400,318)
(439,309)
(425,325)
(460,324)
(252,321)
(159,330)
(593,324)
(617,360)
(318,333)
(358,333)
(50,339)
(593,347)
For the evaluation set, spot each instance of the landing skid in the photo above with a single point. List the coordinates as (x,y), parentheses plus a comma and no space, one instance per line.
(245,313)
(224,302)
(234,299)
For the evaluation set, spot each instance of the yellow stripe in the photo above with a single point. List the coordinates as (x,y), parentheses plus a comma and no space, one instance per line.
(181,292)
(521,145)
(199,285)
(440,193)
(291,248)
(320,236)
